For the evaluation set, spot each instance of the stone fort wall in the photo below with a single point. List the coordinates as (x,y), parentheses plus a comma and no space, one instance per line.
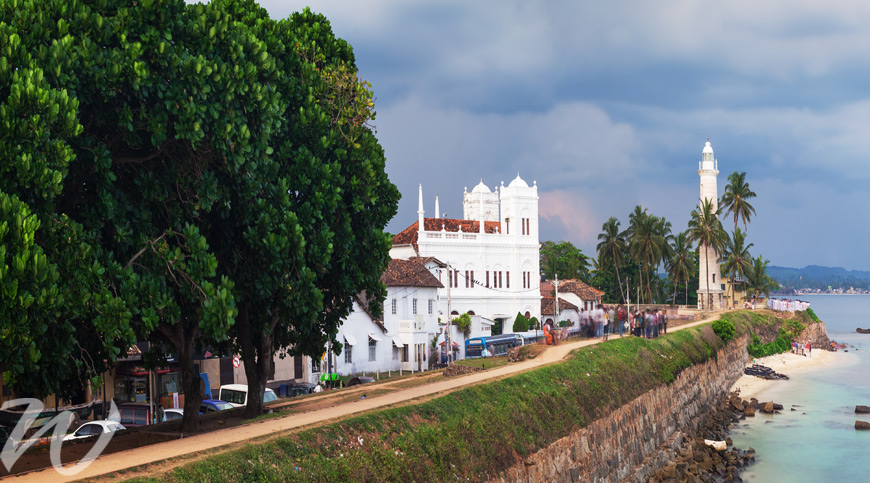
(641,436)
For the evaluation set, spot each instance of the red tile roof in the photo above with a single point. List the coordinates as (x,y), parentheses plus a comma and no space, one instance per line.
(408,236)
(409,273)
(574,286)
(548,309)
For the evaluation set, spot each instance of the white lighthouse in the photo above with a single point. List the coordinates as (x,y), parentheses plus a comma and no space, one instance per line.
(709,279)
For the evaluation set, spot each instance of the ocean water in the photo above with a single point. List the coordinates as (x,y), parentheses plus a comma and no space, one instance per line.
(817,441)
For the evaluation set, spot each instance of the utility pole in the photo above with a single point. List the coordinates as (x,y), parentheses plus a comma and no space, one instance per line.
(556,301)
(449,316)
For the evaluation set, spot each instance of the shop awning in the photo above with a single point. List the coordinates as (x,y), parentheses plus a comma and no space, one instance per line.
(374,337)
(398,342)
(351,340)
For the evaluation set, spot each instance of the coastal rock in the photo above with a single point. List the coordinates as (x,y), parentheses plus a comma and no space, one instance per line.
(767,408)
(862,409)
(717,445)
(862,331)
(777,407)
(862,425)
(749,412)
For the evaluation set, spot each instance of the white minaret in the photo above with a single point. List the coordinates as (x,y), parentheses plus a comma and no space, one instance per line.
(437,208)
(709,278)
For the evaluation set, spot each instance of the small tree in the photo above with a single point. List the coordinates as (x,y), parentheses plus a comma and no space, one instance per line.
(463,322)
(521,323)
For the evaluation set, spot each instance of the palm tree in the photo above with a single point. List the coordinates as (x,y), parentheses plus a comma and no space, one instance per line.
(759,281)
(611,248)
(738,261)
(706,229)
(681,264)
(646,245)
(735,199)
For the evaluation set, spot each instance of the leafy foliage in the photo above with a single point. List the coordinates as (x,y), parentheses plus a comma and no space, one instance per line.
(209,172)
(735,199)
(463,322)
(564,259)
(521,323)
(724,329)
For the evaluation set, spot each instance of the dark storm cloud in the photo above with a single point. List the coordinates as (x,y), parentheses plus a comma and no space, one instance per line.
(608,104)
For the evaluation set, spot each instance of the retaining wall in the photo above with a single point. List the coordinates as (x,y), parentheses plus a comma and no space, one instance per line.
(641,436)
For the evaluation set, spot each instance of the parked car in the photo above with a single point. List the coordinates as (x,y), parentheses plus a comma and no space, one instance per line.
(237,395)
(172,414)
(94,428)
(212,405)
(300,389)
(4,437)
(355,381)
(135,414)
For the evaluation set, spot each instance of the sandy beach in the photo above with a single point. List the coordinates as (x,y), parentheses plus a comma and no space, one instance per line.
(790,365)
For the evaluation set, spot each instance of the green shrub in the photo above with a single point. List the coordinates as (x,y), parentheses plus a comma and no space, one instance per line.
(521,323)
(812,315)
(724,329)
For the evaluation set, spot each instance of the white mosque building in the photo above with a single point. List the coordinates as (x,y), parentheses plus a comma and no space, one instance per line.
(710,284)
(492,254)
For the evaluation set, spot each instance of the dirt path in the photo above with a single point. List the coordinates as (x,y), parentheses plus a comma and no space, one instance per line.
(109,465)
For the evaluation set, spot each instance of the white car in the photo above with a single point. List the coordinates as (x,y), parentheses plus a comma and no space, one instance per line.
(172,414)
(94,428)
(237,395)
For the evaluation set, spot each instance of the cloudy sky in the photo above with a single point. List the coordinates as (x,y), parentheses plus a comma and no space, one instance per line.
(608,104)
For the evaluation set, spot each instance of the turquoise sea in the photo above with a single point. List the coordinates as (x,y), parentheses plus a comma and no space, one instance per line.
(817,442)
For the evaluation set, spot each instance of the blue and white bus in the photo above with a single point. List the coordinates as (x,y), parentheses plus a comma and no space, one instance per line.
(495,345)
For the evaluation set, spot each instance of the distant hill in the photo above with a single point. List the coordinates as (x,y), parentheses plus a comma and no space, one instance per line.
(818,277)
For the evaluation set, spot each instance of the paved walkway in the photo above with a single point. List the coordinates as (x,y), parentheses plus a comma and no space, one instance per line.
(112,463)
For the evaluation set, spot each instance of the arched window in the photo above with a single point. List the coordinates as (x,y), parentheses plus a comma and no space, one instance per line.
(470,312)
(454,313)
(528,315)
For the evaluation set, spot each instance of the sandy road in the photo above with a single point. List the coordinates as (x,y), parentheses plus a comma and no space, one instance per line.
(108,465)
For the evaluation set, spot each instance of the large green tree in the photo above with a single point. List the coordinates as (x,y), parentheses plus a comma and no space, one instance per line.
(735,199)
(564,259)
(62,322)
(224,171)
(759,282)
(611,249)
(681,264)
(736,258)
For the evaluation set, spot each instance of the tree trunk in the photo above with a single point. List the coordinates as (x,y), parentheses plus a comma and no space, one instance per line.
(257,354)
(191,386)
(707,270)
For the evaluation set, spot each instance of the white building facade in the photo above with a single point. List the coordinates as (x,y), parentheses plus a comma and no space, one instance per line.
(710,291)
(491,256)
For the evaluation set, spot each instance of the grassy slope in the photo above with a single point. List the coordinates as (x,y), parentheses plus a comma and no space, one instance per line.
(475,432)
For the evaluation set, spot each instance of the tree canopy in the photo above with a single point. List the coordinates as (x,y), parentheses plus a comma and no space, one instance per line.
(211,172)
(564,259)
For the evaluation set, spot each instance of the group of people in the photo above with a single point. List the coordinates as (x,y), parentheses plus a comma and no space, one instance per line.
(604,320)
(802,348)
(787,305)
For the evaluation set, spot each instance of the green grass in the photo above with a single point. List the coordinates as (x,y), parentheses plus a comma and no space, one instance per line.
(476,432)
(484,362)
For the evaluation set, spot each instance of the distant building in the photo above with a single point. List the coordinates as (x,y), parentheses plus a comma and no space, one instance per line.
(576,294)
(491,256)
(710,287)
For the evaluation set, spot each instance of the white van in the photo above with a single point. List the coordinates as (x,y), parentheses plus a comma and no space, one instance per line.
(237,395)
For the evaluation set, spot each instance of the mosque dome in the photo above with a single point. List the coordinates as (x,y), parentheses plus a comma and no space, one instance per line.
(518,182)
(481,188)
(707,148)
